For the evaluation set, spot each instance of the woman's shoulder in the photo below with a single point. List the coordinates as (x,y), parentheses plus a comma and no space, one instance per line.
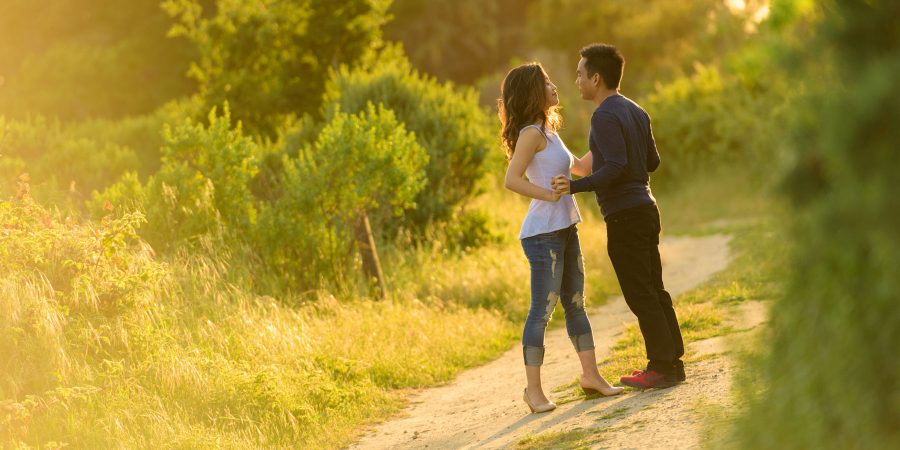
(534,132)
(533,137)
(532,128)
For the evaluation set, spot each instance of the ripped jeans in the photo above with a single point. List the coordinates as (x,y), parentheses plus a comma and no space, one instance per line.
(557,273)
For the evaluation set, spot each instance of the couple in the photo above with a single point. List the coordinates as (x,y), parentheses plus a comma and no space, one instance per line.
(622,153)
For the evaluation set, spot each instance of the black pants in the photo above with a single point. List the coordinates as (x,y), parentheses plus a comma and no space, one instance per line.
(633,246)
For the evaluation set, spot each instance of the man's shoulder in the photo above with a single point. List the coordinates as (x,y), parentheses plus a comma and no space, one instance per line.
(620,105)
(616,104)
(612,109)
(626,102)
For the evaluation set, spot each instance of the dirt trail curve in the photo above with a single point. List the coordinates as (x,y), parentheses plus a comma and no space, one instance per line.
(483,408)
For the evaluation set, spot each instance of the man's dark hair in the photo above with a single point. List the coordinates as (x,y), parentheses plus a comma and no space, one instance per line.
(606,60)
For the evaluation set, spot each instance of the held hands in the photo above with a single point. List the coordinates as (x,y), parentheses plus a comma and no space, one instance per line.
(551,196)
(560,184)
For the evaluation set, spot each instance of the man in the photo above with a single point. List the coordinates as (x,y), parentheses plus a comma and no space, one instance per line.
(623,152)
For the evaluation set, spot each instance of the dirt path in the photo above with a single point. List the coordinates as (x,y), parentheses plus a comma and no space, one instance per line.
(483,408)
(676,418)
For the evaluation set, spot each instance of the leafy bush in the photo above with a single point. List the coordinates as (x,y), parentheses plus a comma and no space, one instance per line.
(142,133)
(202,186)
(366,163)
(447,122)
(713,118)
(64,165)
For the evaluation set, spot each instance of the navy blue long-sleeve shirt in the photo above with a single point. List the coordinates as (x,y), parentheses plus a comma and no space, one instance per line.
(624,153)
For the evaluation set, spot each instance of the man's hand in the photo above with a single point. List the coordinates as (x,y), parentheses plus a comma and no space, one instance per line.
(560,184)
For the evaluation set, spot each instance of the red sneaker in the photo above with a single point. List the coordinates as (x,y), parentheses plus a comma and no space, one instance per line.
(649,379)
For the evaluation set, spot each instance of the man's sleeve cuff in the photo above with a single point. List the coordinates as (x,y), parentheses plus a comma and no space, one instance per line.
(579,185)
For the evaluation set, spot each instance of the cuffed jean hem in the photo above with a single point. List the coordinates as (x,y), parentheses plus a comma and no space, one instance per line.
(583,342)
(534,356)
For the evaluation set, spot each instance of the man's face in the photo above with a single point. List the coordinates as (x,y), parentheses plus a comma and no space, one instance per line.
(586,87)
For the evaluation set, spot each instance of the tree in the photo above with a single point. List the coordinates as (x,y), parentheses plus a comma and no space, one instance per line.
(460,40)
(88,58)
(663,38)
(359,163)
(271,58)
(832,375)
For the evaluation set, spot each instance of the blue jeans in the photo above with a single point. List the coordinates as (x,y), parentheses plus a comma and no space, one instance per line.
(557,274)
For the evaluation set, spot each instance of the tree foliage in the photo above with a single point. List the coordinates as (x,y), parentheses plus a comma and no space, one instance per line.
(271,58)
(446,120)
(832,377)
(95,58)
(663,37)
(360,163)
(461,40)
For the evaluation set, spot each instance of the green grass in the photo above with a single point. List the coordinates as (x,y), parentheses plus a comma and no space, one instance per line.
(191,357)
(195,359)
(618,412)
(574,439)
(202,363)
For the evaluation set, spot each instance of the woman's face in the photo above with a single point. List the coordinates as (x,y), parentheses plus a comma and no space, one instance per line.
(550,93)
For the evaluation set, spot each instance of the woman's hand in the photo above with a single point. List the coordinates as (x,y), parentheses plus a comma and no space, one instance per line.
(551,195)
(561,184)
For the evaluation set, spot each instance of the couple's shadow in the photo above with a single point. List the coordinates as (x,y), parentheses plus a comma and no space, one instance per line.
(610,411)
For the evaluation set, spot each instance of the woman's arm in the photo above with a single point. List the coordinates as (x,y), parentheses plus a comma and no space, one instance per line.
(584,165)
(530,142)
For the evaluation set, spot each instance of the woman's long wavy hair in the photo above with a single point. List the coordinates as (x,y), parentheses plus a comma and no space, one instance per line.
(523,101)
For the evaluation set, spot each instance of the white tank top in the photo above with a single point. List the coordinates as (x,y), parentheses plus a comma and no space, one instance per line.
(544,216)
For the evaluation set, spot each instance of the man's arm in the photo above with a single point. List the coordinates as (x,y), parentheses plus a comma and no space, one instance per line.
(607,136)
(652,153)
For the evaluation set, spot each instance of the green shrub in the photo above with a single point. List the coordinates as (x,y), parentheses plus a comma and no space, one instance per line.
(128,194)
(366,163)
(202,186)
(469,230)
(715,118)
(446,120)
(63,165)
(142,133)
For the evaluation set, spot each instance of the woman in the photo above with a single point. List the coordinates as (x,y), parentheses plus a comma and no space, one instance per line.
(530,118)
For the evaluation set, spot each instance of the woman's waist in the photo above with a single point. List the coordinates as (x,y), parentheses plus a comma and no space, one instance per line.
(546,181)
(548,216)
(542,208)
